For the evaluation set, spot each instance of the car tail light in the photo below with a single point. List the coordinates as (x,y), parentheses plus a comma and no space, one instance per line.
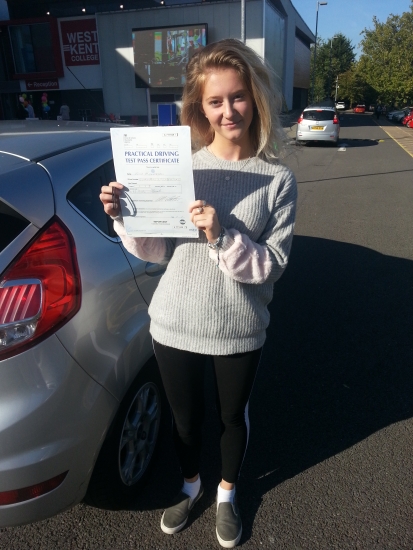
(39,291)
(34,491)
(300,118)
(335,119)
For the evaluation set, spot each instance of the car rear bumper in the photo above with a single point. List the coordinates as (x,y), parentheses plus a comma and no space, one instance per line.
(317,136)
(53,418)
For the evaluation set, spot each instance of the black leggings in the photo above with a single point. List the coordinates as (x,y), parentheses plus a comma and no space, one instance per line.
(183,378)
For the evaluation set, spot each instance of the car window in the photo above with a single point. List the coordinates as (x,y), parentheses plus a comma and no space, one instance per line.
(318,114)
(109,169)
(11,223)
(85,197)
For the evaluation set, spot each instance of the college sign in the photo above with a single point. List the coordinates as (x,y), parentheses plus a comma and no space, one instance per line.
(80,42)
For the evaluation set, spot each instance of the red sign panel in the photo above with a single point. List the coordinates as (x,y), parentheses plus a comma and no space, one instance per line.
(42,84)
(80,42)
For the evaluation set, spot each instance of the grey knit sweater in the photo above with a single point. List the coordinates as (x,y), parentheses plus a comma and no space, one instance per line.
(220,310)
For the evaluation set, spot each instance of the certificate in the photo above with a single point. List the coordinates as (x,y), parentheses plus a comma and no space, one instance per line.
(155,166)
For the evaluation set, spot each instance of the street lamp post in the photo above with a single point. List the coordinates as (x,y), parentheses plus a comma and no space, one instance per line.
(329,70)
(243,33)
(315,48)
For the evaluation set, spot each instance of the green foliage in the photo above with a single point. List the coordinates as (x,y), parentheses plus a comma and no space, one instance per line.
(386,62)
(384,71)
(353,88)
(334,56)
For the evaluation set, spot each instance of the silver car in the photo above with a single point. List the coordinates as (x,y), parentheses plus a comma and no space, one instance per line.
(80,394)
(396,112)
(399,116)
(318,123)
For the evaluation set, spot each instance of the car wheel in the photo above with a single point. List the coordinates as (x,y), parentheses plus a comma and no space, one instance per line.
(127,452)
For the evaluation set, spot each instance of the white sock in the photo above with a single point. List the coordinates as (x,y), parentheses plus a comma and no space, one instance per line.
(225,495)
(192,489)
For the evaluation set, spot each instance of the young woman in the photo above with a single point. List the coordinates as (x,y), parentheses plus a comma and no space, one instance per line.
(212,299)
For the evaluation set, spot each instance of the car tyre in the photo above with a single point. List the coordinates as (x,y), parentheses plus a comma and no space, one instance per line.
(127,453)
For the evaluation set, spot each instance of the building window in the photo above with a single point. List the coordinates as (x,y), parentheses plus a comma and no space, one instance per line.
(32,48)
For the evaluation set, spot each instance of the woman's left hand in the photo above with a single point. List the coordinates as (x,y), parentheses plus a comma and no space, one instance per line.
(204,217)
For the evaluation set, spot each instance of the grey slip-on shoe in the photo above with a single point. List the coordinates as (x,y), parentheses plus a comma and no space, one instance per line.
(229,525)
(175,517)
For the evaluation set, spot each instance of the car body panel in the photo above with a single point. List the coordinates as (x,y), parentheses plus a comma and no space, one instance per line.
(106,333)
(53,417)
(359,109)
(147,275)
(113,314)
(38,139)
(10,162)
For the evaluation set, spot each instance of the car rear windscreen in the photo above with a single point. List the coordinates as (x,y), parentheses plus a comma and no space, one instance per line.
(11,223)
(317,114)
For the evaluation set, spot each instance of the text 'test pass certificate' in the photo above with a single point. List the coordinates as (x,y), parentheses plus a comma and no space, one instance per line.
(155,166)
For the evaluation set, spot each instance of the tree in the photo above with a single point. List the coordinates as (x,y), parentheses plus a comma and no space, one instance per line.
(354,88)
(387,58)
(334,56)
(316,80)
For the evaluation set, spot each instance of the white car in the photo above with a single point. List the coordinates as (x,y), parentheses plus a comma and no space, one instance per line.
(318,123)
(341,105)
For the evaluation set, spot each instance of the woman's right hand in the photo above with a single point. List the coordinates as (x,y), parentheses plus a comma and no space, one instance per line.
(109,197)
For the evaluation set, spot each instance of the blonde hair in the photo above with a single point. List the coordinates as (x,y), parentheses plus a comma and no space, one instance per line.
(266,134)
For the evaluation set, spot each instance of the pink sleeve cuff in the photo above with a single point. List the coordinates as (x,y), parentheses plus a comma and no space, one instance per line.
(242,259)
(149,249)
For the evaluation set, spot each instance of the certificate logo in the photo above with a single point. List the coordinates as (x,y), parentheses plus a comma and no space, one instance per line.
(182,222)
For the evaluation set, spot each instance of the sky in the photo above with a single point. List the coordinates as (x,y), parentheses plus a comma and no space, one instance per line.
(348,17)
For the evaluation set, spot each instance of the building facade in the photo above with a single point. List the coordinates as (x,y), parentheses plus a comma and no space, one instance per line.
(91,60)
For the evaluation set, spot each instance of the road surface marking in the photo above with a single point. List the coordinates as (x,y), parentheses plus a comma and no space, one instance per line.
(398,135)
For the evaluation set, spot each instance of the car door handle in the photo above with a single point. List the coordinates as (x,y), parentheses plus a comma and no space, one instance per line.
(154,269)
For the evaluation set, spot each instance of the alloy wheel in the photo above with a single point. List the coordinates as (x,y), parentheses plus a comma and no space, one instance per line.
(139,433)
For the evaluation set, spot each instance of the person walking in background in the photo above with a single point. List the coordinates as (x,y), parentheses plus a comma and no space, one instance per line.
(378,111)
(212,300)
(29,108)
(64,111)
